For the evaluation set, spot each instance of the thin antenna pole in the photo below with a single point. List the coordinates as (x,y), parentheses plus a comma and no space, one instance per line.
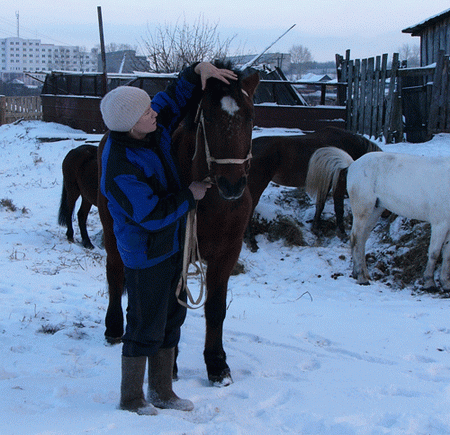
(255,59)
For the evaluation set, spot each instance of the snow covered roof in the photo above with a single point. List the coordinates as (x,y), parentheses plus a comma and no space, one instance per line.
(418,28)
(311,77)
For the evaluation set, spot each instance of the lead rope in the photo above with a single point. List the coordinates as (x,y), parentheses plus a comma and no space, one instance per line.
(191,252)
(191,255)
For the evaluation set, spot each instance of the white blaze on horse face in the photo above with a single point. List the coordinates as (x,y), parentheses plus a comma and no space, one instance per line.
(229,105)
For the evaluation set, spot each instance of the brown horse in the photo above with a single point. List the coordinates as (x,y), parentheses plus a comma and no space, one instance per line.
(284,160)
(79,170)
(216,146)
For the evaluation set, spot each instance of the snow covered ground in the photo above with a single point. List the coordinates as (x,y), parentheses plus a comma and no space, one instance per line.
(311,352)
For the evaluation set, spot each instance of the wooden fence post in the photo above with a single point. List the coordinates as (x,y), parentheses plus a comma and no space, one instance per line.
(2,109)
(439,117)
(391,102)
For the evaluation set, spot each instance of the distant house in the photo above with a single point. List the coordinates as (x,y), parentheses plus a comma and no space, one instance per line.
(434,36)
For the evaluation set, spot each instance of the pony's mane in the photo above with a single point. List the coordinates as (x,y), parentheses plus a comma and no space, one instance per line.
(217,89)
(370,146)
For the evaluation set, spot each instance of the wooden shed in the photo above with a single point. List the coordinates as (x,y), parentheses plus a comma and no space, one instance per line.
(434,36)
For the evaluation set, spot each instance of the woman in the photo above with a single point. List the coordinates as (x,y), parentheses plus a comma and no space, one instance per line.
(149,203)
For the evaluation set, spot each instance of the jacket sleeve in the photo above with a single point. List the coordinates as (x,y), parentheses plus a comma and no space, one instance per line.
(141,203)
(133,196)
(173,103)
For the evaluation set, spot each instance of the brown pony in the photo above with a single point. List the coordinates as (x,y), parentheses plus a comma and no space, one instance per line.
(214,145)
(284,160)
(79,170)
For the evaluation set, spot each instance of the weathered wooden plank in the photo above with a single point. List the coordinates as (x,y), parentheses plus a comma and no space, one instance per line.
(445,117)
(376,98)
(435,102)
(349,77)
(362,96)
(391,100)
(369,96)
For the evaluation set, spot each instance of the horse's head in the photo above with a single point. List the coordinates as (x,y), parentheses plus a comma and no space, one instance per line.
(224,134)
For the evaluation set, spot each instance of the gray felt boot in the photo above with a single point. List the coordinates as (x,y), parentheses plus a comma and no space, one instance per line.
(160,392)
(131,392)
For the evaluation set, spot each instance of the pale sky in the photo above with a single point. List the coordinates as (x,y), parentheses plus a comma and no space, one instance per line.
(326,27)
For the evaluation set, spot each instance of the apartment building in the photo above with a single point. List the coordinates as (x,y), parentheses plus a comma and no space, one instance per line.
(31,55)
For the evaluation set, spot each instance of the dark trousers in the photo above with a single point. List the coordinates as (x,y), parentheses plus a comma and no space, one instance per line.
(154,316)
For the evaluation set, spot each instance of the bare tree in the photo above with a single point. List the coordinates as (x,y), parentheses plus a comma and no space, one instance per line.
(300,54)
(300,58)
(170,48)
(410,54)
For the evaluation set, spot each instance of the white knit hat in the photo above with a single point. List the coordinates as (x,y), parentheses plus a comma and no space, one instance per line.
(123,106)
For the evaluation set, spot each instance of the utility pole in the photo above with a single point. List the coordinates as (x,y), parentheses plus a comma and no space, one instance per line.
(102,50)
(17,16)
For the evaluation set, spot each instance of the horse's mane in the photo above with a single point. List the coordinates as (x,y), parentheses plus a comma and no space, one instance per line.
(369,145)
(217,89)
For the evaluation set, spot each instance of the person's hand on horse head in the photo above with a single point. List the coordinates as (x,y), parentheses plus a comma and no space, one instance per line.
(207,70)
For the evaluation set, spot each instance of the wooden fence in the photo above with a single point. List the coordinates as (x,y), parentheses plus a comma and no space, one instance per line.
(14,108)
(372,99)
(394,102)
(371,96)
(439,116)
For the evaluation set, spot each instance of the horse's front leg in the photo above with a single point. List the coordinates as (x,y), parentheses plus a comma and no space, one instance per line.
(363,224)
(215,312)
(249,237)
(360,272)
(114,319)
(445,269)
(115,275)
(438,236)
(317,223)
(338,198)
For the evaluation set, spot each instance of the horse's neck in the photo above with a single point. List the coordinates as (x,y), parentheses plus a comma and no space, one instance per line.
(191,157)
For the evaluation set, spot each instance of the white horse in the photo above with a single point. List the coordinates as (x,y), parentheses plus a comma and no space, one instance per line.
(415,187)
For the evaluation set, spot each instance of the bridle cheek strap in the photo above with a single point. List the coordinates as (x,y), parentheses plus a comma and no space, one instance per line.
(209,158)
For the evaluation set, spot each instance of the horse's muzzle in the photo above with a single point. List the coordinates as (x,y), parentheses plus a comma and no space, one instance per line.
(231,191)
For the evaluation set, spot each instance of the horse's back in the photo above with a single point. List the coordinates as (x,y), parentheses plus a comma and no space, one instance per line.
(415,187)
(354,144)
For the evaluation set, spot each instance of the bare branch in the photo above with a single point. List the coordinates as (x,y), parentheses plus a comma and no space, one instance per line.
(169,48)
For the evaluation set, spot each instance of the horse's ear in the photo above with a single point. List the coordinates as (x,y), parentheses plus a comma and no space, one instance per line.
(250,83)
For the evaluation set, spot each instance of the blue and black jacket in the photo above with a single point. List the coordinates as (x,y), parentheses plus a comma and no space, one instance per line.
(141,180)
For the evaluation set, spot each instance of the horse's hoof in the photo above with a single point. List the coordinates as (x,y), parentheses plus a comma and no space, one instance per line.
(87,245)
(113,340)
(432,289)
(316,231)
(222,380)
(342,236)
(254,247)
(362,281)
(251,244)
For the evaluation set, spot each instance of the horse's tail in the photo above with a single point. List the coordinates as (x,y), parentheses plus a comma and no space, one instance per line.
(324,168)
(64,213)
